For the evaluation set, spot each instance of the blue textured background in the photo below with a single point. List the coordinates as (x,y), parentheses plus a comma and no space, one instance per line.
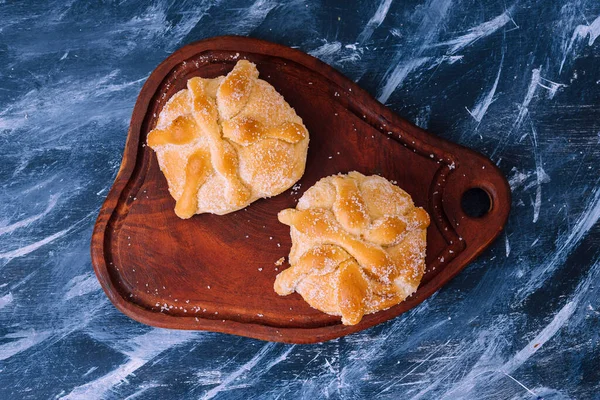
(519,82)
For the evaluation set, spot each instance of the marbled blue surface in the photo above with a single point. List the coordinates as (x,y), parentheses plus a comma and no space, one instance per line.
(518,81)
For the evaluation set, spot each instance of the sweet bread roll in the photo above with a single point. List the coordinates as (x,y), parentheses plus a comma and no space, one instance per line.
(358,246)
(223,143)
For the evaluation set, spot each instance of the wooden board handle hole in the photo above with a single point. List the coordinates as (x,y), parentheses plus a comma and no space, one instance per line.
(476,202)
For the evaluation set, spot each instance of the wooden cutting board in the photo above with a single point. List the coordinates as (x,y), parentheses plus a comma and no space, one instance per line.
(216,273)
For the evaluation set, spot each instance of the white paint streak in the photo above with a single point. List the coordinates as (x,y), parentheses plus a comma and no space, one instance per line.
(97,388)
(565,246)
(520,384)
(367,354)
(452,59)
(89,371)
(434,14)
(412,370)
(34,246)
(281,358)
(558,321)
(6,300)
(517,179)
(581,33)
(237,373)
(153,24)
(26,340)
(23,281)
(478,32)
(444,59)
(253,16)
(537,204)
(484,102)
(9,255)
(141,390)
(327,51)
(334,52)
(523,108)
(204,378)
(540,339)
(551,86)
(93,99)
(25,222)
(143,348)
(81,285)
(483,350)
(353,56)
(507,245)
(541,176)
(397,76)
(375,21)
(491,366)
(536,80)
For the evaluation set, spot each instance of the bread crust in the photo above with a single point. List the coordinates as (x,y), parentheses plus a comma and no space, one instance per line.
(223,143)
(358,246)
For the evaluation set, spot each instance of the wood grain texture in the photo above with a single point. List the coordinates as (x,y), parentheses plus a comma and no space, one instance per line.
(216,272)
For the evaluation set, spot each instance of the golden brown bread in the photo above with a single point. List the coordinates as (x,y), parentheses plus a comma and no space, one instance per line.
(358,246)
(223,143)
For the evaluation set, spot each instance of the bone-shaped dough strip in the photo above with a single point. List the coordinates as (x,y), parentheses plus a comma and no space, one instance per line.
(352,291)
(323,225)
(318,260)
(234,91)
(246,131)
(349,208)
(224,160)
(181,131)
(196,171)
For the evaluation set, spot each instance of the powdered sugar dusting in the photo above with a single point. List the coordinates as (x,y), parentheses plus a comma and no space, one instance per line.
(390,266)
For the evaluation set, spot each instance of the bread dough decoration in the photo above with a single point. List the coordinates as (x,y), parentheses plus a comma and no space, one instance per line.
(223,143)
(358,246)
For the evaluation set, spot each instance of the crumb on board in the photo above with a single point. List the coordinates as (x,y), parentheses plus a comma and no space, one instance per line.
(280,261)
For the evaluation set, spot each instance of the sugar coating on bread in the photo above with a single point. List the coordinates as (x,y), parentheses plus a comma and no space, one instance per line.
(358,246)
(223,143)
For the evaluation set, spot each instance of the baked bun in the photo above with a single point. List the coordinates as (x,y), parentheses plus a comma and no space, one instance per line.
(358,246)
(223,143)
